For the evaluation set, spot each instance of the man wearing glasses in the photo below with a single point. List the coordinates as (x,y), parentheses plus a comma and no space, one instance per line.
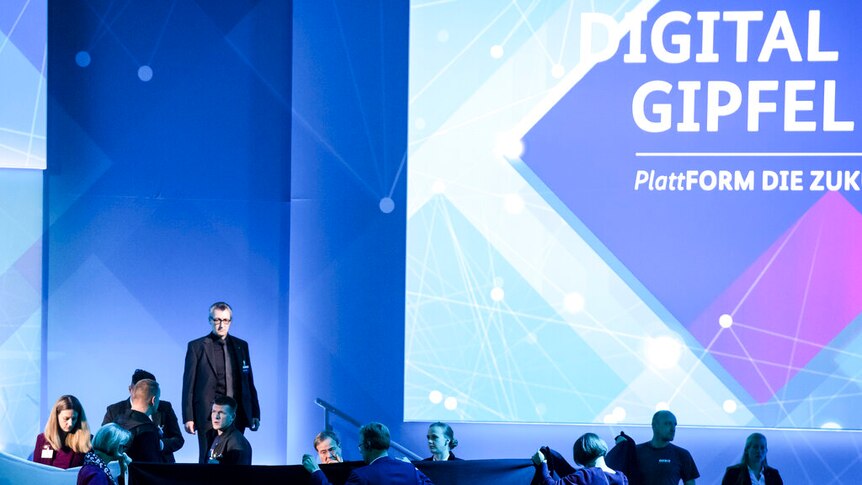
(218,365)
(380,468)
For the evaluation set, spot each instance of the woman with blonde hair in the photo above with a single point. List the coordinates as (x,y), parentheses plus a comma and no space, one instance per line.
(441,441)
(109,445)
(67,436)
(752,469)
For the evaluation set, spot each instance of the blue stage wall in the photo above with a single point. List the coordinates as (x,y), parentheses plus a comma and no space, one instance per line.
(167,189)
(347,255)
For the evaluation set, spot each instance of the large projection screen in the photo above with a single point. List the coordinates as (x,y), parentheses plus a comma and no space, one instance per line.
(617,207)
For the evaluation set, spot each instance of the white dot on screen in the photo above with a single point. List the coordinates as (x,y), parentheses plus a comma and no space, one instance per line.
(662,406)
(438,187)
(387,205)
(573,302)
(558,71)
(609,419)
(450,403)
(725,321)
(497,51)
(514,204)
(619,413)
(831,425)
(497,294)
(729,406)
(82,58)
(435,397)
(145,73)
(509,146)
(442,36)
(663,352)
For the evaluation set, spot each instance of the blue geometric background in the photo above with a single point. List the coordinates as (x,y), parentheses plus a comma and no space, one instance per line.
(167,186)
(535,153)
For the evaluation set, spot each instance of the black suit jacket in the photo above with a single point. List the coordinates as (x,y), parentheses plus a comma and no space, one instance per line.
(199,383)
(738,475)
(144,446)
(165,419)
(233,448)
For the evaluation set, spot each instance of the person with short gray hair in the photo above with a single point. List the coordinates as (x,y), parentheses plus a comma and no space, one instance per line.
(327,444)
(381,469)
(108,445)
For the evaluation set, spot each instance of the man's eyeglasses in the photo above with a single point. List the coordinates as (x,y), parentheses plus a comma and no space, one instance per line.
(220,320)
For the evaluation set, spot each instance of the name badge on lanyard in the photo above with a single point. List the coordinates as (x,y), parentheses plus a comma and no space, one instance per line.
(47,452)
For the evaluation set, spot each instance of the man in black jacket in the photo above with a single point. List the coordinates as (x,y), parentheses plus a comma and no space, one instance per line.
(164,418)
(218,365)
(144,446)
(229,445)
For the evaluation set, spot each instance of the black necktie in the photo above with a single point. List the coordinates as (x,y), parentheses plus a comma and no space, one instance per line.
(228,370)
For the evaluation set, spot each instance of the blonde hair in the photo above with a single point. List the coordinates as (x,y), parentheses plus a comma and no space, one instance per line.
(749,442)
(588,448)
(78,438)
(145,389)
(447,432)
(110,438)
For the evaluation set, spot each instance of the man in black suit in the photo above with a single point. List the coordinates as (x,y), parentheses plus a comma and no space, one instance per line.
(229,446)
(144,446)
(164,418)
(218,365)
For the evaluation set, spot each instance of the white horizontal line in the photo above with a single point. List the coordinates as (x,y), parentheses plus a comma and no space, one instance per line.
(748,154)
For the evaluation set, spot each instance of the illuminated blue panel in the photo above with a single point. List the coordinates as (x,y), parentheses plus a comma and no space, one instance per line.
(23,83)
(682,200)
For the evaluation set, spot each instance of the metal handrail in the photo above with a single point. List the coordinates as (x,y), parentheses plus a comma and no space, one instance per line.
(330,409)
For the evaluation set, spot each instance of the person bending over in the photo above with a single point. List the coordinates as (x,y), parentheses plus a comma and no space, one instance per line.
(589,452)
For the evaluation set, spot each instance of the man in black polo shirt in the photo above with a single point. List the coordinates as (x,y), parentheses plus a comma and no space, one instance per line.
(229,446)
(660,462)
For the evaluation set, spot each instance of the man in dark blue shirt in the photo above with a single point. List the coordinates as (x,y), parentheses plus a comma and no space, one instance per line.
(662,463)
